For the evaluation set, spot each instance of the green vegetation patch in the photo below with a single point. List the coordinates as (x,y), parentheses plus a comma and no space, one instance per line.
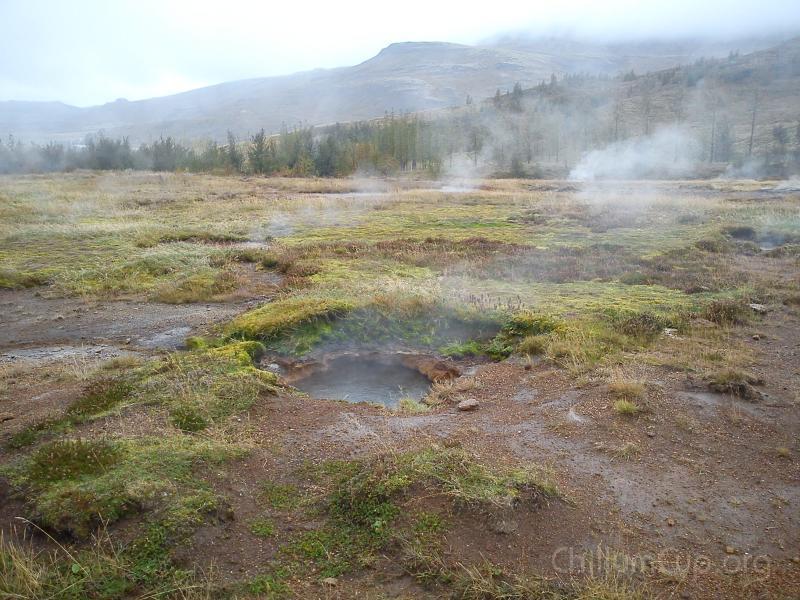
(199,388)
(363,502)
(284,316)
(11,279)
(262,528)
(98,571)
(99,397)
(294,326)
(197,287)
(74,485)
(280,496)
(518,326)
(209,385)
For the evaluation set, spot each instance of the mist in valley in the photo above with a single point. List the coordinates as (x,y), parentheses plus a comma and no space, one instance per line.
(557,97)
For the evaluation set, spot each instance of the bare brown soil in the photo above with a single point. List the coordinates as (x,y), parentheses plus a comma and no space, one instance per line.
(705,483)
(706,501)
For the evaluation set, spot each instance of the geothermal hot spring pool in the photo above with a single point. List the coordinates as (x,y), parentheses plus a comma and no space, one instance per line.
(359,379)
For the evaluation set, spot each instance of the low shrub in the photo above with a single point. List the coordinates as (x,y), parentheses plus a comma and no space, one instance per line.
(626,390)
(626,408)
(533,345)
(726,312)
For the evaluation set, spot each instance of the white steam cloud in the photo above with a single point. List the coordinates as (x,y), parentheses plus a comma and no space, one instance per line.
(669,152)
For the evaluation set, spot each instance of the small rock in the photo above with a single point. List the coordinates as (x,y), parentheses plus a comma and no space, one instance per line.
(730,550)
(651,433)
(671,522)
(756,337)
(796,559)
(330,581)
(759,308)
(469,404)
(5,416)
(504,526)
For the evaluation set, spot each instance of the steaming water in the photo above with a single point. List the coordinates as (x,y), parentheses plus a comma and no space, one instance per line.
(358,379)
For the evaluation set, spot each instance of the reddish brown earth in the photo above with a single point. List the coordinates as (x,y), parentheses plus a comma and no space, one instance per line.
(706,506)
(705,510)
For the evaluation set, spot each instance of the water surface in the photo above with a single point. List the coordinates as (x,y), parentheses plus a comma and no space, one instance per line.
(358,379)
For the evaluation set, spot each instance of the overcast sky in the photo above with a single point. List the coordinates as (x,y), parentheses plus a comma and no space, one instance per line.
(93,51)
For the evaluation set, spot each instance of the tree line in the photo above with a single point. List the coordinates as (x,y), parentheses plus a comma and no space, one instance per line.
(732,107)
(383,146)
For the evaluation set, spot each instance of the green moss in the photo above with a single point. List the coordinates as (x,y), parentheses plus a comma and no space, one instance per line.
(270,586)
(283,316)
(364,498)
(280,496)
(244,353)
(189,418)
(32,433)
(13,280)
(199,388)
(518,326)
(262,528)
(70,459)
(208,385)
(73,485)
(100,396)
(100,570)
(410,320)
(296,325)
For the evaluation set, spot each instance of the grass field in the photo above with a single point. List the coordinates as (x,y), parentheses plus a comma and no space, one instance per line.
(618,294)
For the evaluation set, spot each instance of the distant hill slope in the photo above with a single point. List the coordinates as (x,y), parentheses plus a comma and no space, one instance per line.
(742,110)
(410,76)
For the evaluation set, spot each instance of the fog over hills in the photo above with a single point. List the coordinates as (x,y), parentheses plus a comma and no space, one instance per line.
(410,76)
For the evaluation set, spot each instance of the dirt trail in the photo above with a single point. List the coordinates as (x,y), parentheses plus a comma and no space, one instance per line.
(33,327)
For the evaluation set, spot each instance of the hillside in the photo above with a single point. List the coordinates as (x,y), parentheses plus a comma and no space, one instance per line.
(676,119)
(409,76)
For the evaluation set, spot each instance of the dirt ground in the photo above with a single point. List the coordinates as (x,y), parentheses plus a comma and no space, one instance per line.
(709,506)
(700,491)
(707,484)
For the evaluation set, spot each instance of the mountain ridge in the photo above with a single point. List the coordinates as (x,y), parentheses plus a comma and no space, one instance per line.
(402,77)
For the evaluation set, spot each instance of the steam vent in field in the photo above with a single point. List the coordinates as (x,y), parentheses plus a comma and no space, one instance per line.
(331,302)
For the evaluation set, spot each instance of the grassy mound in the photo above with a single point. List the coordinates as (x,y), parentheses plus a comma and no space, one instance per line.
(74,485)
(364,498)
